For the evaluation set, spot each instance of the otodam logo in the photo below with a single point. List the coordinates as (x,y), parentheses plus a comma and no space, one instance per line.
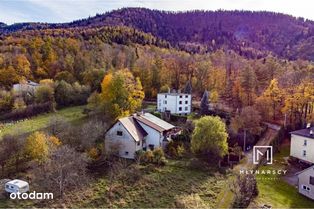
(261,152)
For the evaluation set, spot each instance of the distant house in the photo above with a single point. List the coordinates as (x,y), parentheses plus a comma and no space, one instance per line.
(141,131)
(306,182)
(302,145)
(25,87)
(175,103)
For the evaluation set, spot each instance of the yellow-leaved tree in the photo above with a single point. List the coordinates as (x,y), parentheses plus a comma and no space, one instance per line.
(269,103)
(37,147)
(121,94)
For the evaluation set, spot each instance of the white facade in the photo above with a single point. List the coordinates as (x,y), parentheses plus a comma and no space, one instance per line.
(302,148)
(153,139)
(142,131)
(119,137)
(306,182)
(176,103)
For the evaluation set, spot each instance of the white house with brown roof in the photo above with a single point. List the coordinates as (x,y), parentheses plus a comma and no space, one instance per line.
(302,145)
(306,182)
(141,131)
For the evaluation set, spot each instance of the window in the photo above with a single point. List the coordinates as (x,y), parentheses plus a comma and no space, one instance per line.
(305,142)
(165,102)
(186,96)
(312,180)
(304,153)
(180,102)
(151,146)
(306,188)
(138,143)
(119,133)
(186,108)
(186,102)
(180,96)
(165,96)
(180,108)
(126,153)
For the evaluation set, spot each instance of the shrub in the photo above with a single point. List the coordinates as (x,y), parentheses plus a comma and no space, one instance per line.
(29,111)
(139,156)
(157,114)
(6,101)
(175,149)
(93,153)
(148,157)
(44,94)
(159,156)
(180,150)
(245,189)
(19,104)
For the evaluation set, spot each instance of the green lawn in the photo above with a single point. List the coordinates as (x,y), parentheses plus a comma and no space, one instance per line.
(276,192)
(159,188)
(39,122)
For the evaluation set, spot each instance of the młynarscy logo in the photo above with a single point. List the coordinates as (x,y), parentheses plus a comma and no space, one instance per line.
(261,152)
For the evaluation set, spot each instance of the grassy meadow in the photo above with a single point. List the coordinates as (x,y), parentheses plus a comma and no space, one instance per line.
(71,114)
(276,192)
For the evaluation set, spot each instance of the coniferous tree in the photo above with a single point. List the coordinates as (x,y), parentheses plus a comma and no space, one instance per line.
(205,103)
(188,88)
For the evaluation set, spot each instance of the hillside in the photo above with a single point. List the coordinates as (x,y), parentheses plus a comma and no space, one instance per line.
(252,34)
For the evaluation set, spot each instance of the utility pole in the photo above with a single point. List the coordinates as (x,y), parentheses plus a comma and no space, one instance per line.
(244,144)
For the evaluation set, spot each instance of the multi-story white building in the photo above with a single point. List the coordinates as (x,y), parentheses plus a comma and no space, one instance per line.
(302,144)
(176,103)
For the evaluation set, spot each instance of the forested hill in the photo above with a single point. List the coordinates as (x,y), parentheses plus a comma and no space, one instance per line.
(252,34)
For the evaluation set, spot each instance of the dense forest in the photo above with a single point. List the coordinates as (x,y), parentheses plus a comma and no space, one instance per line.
(252,34)
(84,51)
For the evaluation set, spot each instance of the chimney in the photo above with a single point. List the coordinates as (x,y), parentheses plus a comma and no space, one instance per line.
(308,125)
(311,132)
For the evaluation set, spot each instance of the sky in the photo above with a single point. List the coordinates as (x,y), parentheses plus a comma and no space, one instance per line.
(58,11)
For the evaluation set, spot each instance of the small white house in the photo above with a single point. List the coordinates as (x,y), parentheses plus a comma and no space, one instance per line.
(141,131)
(302,145)
(306,182)
(16,186)
(25,87)
(176,103)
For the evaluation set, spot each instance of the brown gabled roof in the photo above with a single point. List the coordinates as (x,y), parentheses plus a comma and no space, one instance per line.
(153,122)
(149,123)
(133,127)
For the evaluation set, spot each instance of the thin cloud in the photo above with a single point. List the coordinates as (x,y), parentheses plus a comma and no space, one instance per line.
(12,11)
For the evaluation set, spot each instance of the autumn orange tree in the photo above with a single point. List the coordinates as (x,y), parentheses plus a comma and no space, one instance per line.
(121,94)
(299,104)
(269,103)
